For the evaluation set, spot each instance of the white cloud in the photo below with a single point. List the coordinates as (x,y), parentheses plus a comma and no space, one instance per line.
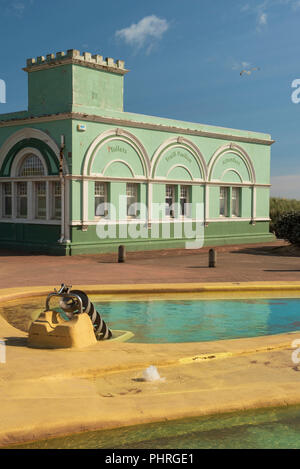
(144,33)
(261,10)
(18,8)
(15,7)
(262,19)
(286,186)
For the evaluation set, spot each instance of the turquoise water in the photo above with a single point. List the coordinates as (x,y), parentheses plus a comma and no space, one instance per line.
(163,321)
(201,320)
(263,429)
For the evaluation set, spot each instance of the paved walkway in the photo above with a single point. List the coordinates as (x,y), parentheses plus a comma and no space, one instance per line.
(234,264)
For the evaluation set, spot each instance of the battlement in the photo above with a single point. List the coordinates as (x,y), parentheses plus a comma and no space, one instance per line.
(73,57)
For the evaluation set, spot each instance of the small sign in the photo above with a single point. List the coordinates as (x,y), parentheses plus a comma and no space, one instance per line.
(81,127)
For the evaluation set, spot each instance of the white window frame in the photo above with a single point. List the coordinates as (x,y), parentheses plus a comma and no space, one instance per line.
(19,161)
(170,209)
(53,196)
(104,196)
(225,190)
(4,197)
(31,182)
(19,198)
(135,197)
(237,192)
(37,197)
(186,207)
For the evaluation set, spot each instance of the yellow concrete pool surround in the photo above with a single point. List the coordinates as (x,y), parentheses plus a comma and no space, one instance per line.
(153,289)
(202,378)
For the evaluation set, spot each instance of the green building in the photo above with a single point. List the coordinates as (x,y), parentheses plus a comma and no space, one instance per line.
(79,175)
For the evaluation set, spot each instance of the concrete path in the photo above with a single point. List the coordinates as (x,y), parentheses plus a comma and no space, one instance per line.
(235,264)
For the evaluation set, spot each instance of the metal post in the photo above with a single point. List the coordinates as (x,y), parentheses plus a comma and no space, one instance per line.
(212,258)
(121,254)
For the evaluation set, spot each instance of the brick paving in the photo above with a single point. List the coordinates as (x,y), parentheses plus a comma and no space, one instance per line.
(258,262)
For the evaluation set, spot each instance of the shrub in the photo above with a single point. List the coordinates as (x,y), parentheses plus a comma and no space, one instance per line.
(279,207)
(287,227)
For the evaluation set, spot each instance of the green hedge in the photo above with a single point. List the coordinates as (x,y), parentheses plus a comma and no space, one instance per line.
(279,207)
(287,227)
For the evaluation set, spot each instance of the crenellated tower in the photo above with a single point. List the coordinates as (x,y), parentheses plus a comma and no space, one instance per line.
(71,82)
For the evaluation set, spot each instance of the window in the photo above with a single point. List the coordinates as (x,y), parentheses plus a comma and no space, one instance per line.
(29,196)
(22,199)
(40,200)
(235,202)
(184,200)
(32,166)
(170,201)
(100,199)
(7,200)
(132,200)
(224,201)
(56,200)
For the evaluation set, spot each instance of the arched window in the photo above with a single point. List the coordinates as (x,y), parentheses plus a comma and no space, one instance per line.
(32,166)
(32,194)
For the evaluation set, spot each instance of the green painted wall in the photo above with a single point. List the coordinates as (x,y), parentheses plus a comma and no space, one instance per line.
(216,234)
(214,201)
(96,89)
(262,202)
(50,90)
(246,202)
(32,238)
(76,88)
(76,197)
(237,233)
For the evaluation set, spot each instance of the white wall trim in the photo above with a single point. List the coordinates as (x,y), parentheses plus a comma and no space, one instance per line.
(180,166)
(185,144)
(160,180)
(152,221)
(238,151)
(117,161)
(30,222)
(116,134)
(20,157)
(25,134)
(234,171)
(234,219)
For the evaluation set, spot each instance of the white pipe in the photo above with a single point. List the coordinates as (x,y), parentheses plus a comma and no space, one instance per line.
(62,181)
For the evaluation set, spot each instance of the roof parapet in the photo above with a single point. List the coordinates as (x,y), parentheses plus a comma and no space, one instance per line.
(74,56)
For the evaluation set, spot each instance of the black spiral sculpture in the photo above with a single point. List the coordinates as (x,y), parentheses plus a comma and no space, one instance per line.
(70,307)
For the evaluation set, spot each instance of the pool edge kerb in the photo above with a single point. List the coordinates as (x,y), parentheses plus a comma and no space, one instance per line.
(24,292)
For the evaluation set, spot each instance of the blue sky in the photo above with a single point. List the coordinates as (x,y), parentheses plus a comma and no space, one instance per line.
(185,58)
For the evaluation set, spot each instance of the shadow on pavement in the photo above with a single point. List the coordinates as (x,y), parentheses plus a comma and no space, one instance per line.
(16,341)
(281,251)
(279,270)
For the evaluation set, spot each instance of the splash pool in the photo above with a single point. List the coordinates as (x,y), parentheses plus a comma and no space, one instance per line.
(181,320)
(202,320)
